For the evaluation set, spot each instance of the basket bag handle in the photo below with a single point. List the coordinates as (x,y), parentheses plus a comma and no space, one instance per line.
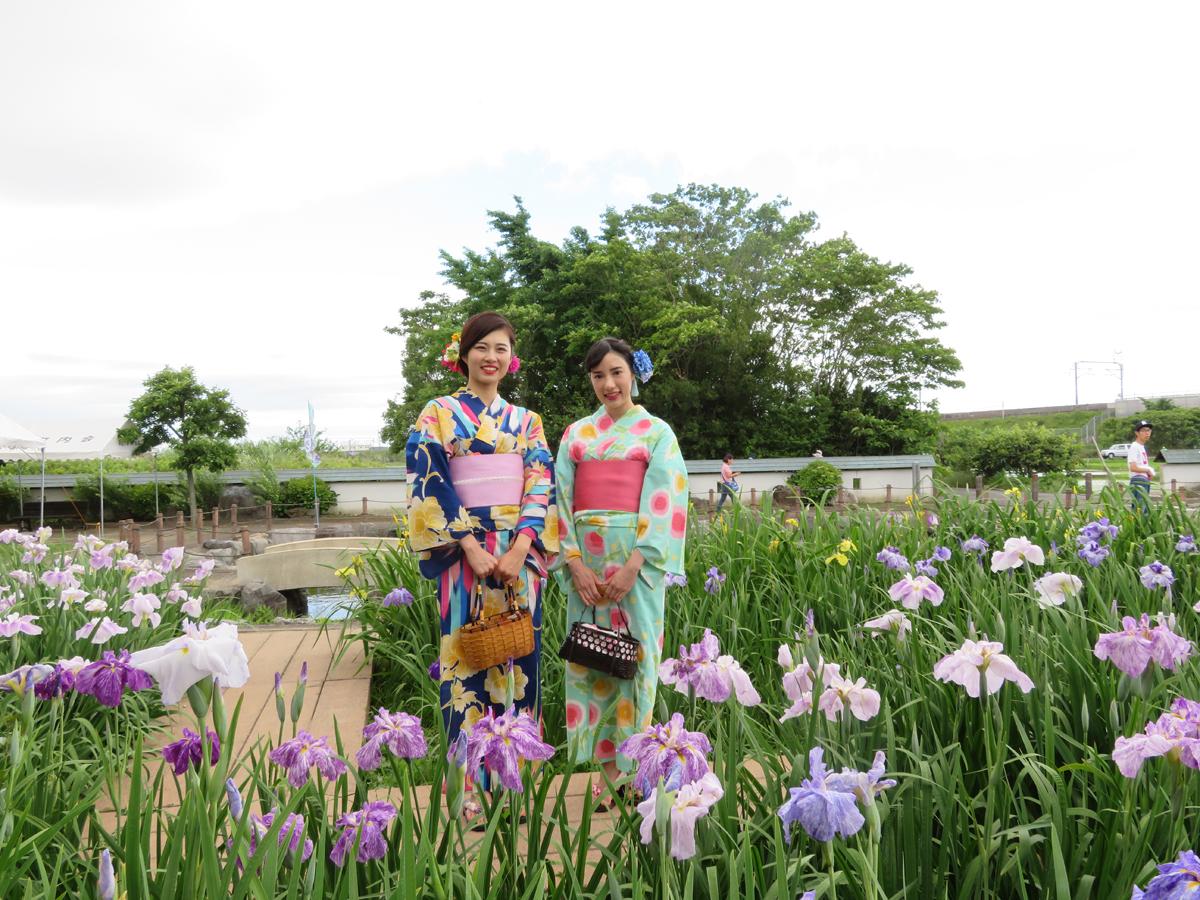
(477,597)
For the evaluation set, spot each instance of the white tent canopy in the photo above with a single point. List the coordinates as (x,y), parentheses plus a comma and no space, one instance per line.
(86,441)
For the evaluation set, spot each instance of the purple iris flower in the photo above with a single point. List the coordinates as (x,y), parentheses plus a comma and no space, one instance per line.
(1174,880)
(1186,544)
(669,751)
(109,677)
(942,553)
(435,670)
(673,580)
(367,825)
(106,886)
(1157,575)
(58,683)
(823,805)
(398,597)
(975,544)
(399,732)
(926,567)
(713,582)
(502,742)
(893,559)
(1093,553)
(189,751)
(234,796)
(302,753)
(291,831)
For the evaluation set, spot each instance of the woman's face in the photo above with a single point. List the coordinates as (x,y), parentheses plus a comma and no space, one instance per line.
(488,359)
(613,382)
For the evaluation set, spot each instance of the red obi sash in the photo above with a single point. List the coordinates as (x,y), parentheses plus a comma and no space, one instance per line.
(488,479)
(611,484)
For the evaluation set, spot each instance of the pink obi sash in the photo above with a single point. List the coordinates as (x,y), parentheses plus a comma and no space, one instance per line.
(488,479)
(612,484)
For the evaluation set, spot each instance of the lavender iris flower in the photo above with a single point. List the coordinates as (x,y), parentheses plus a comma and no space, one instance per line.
(399,733)
(109,677)
(234,796)
(1174,880)
(367,825)
(926,567)
(669,751)
(435,670)
(713,582)
(1186,544)
(106,887)
(942,553)
(398,597)
(502,742)
(302,753)
(1093,553)
(59,682)
(975,544)
(291,832)
(1157,575)
(893,559)
(822,806)
(189,751)
(673,580)
(1176,733)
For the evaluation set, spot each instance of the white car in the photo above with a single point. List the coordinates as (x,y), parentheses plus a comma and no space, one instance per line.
(1121,450)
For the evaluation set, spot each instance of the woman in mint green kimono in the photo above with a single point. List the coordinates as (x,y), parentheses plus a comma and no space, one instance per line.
(622,497)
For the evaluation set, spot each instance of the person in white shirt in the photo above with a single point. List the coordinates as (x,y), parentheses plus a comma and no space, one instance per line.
(1140,471)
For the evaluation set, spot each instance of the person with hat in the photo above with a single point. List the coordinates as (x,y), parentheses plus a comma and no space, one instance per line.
(1140,471)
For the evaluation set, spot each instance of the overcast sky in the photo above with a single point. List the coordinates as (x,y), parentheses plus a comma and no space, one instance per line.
(255,189)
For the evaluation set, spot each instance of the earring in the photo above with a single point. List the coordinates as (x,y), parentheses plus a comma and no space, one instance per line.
(515,365)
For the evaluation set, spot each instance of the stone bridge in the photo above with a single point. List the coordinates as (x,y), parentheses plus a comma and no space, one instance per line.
(307,564)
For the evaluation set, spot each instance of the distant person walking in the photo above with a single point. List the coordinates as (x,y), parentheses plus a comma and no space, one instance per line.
(727,487)
(1140,471)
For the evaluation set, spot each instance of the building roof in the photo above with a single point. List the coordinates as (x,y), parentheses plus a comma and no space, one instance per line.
(793,463)
(1178,456)
(80,441)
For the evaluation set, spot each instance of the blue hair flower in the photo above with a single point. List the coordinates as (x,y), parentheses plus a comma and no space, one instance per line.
(642,367)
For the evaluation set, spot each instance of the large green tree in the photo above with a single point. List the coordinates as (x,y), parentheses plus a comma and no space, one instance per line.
(200,423)
(741,311)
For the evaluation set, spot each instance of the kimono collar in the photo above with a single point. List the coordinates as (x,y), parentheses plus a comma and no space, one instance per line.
(635,413)
(498,405)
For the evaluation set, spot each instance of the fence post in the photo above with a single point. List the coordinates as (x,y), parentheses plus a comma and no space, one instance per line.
(710,498)
(269,515)
(916,479)
(1033,487)
(887,498)
(753,492)
(841,498)
(158,537)
(1069,498)
(245,540)
(978,486)
(199,526)
(233,515)
(135,538)
(1087,485)
(179,541)
(216,518)
(1174,486)
(158,521)
(364,512)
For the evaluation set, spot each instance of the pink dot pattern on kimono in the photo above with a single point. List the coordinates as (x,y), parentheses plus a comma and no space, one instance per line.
(604,423)
(639,452)
(593,543)
(604,446)
(577,448)
(641,427)
(678,523)
(660,502)
(617,618)
(574,715)
(610,570)
(605,749)
(593,714)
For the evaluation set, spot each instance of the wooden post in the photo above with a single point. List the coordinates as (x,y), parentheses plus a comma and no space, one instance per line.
(841,497)
(158,521)
(978,486)
(199,526)
(1033,487)
(245,540)
(364,512)
(710,498)
(233,515)
(1069,498)
(753,492)
(158,537)
(1174,486)
(135,538)
(179,541)
(887,498)
(269,516)
(216,518)
(1087,485)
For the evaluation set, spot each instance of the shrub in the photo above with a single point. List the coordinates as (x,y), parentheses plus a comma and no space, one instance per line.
(1175,429)
(818,481)
(296,496)
(10,497)
(1024,450)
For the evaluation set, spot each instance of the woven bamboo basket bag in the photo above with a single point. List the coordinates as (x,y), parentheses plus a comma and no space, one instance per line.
(494,640)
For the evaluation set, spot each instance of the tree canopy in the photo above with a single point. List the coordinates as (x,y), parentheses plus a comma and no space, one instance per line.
(765,341)
(199,423)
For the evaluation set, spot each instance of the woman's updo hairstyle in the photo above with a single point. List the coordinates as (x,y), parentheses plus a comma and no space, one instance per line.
(477,328)
(605,346)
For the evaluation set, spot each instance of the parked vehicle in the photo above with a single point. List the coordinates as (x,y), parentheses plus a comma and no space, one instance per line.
(1121,450)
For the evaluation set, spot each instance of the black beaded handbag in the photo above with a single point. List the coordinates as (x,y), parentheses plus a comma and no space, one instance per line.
(603,649)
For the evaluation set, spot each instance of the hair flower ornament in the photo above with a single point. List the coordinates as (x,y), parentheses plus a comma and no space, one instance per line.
(450,353)
(642,367)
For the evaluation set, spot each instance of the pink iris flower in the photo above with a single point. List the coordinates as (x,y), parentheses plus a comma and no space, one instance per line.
(14,624)
(713,677)
(910,591)
(1055,588)
(1176,735)
(1017,550)
(144,608)
(975,658)
(1132,648)
(842,693)
(893,621)
(690,802)
(100,631)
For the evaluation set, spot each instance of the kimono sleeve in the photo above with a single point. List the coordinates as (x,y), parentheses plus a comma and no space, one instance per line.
(662,515)
(564,492)
(539,519)
(435,515)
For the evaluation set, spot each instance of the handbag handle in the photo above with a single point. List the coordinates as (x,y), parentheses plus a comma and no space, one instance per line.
(477,595)
(624,620)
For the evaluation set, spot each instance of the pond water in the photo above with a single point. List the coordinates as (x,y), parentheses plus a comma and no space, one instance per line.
(330,603)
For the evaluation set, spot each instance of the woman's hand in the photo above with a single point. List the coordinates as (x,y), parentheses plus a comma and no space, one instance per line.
(508,568)
(482,563)
(586,584)
(622,582)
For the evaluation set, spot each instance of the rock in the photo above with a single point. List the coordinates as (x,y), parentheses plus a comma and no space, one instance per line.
(214,544)
(295,533)
(223,555)
(259,593)
(340,529)
(259,543)
(297,601)
(244,498)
